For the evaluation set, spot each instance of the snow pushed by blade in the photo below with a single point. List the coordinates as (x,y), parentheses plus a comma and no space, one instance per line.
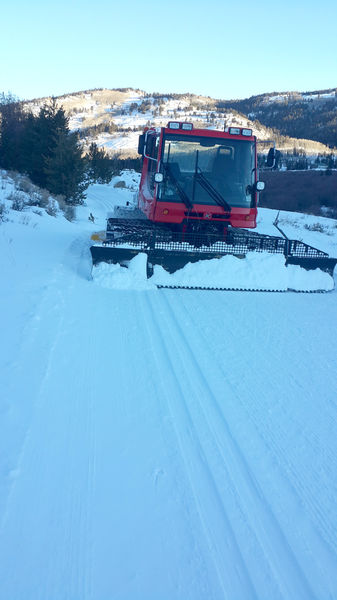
(118,277)
(256,272)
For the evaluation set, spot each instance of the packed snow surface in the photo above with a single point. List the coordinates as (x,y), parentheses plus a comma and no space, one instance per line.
(161,444)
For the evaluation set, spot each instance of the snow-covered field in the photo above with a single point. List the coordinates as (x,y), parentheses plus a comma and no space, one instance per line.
(161,444)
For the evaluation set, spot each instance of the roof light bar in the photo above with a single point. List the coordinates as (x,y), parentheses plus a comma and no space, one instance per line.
(247,132)
(235,130)
(173,125)
(178,125)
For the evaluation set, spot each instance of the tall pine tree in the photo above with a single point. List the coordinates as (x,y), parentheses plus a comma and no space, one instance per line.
(56,162)
(100,166)
(12,125)
(65,169)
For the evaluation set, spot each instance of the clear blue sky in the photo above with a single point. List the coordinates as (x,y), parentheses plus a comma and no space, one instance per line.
(212,47)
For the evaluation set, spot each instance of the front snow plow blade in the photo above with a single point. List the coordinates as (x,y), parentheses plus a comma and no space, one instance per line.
(171,260)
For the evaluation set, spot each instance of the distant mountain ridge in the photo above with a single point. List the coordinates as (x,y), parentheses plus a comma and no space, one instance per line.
(310,115)
(113,118)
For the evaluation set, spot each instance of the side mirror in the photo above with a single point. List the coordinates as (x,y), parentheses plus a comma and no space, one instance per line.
(159,177)
(271,158)
(141,143)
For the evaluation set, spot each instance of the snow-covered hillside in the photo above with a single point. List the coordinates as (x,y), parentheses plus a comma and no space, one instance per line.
(298,96)
(119,117)
(161,444)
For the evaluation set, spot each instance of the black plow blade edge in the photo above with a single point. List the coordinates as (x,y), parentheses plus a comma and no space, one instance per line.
(110,254)
(324,263)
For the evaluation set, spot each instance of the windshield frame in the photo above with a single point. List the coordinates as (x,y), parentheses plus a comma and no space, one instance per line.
(241,151)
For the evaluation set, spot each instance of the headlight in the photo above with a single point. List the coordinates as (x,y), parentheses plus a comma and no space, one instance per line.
(173,125)
(187,126)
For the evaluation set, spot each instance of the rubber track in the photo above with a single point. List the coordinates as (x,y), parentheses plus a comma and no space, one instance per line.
(232,289)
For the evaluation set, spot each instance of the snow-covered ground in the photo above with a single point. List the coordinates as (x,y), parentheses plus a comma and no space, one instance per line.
(161,444)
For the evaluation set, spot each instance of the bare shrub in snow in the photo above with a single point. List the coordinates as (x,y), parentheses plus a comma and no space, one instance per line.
(315,227)
(120,184)
(25,220)
(18,200)
(34,198)
(43,198)
(15,177)
(61,201)
(3,213)
(68,210)
(52,207)
(25,185)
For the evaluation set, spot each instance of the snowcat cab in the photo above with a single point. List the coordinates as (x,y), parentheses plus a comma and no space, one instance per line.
(199,179)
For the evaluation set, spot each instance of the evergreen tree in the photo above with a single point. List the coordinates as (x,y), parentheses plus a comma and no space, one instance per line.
(43,148)
(12,123)
(65,169)
(43,135)
(100,166)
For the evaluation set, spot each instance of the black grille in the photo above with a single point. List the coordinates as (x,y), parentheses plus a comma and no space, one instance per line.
(145,235)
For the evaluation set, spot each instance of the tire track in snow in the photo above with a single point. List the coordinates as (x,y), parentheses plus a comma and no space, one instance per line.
(282,560)
(328,562)
(297,479)
(232,574)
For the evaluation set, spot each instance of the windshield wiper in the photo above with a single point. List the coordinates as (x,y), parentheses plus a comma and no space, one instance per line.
(210,189)
(207,186)
(178,187)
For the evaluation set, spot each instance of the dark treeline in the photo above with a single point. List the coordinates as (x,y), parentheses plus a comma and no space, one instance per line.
(119,163)
(313,192)
(294,116)
(95,130)
(42,147)
(299,160)
(101,166)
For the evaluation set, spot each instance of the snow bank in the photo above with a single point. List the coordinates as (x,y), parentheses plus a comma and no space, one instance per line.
(121,278)
(257,271)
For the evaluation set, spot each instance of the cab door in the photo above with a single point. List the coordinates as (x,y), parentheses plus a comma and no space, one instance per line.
(148,187)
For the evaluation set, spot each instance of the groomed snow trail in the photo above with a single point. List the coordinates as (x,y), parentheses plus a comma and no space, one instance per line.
(169,444)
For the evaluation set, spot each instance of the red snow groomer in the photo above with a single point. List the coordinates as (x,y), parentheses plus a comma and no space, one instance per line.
(197,200)
(199,180)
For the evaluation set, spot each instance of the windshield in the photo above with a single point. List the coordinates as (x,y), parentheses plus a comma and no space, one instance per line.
(227,165)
